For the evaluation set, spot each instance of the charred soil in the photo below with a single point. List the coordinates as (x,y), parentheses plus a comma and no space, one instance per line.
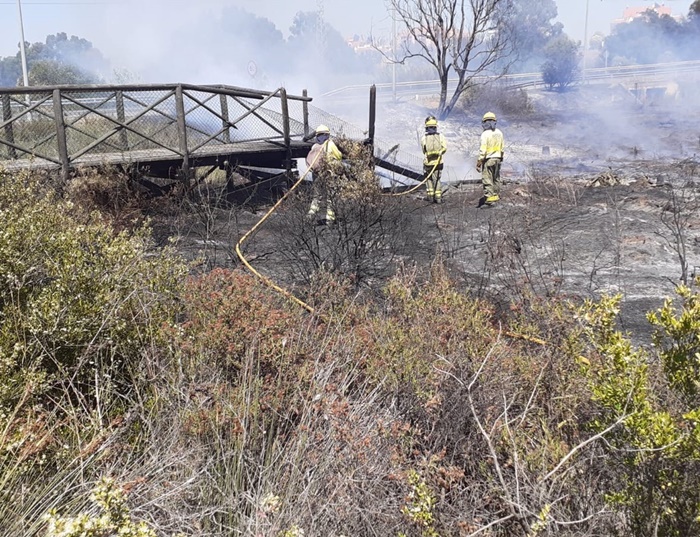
(574,222)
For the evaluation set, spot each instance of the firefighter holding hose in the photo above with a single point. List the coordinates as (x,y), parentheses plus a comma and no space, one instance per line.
(490,159)
(323,154)
(434,147)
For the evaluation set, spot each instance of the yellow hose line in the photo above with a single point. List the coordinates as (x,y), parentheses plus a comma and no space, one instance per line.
(580,358)
(267,281)
(413,189)
(533,339)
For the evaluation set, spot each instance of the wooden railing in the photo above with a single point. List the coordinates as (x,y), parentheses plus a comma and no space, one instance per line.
(68,126)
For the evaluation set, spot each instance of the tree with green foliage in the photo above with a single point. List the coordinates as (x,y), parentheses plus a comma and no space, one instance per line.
(322,51)
(693,25)
(52,73)
(561,66)
(652,38)
(59,60)
(532,28)
(249,31)
(694,9)
(11,70)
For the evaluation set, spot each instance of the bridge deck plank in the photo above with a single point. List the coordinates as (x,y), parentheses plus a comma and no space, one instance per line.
(241,151)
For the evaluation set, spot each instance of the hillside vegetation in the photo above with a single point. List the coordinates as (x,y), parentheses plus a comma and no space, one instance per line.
(142,394)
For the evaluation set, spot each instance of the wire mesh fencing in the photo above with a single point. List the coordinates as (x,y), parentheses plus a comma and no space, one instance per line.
(71,126)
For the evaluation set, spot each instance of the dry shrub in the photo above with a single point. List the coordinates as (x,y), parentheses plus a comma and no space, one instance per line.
(110,193)
(260,418)
(229,313)
(368,235)
(498,98)
(277,420)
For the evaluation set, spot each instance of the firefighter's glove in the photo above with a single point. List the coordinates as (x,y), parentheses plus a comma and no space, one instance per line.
(479,165)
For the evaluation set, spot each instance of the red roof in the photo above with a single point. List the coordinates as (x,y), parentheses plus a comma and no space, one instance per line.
(634,12)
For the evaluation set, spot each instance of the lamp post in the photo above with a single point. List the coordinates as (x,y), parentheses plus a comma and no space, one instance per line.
(23,54)
(393,52)
(585,44)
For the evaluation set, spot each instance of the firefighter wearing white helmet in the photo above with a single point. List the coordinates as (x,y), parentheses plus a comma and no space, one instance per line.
(323,153)
(490,159)
(434,147)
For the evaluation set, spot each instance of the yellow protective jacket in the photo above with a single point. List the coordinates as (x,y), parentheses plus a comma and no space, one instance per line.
(491,145)
(434,146)
(327,150)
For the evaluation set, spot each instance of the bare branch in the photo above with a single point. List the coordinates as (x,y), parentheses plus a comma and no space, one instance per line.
(492,523)
(583,444)
(460,37)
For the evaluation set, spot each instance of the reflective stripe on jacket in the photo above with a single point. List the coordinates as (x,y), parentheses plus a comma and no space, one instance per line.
(434,146)
(491,144)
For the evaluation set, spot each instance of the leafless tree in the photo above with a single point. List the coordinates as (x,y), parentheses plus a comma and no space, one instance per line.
(466,38)
(676,216)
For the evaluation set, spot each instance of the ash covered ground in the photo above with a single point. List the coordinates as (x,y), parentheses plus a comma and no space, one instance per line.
(600,196)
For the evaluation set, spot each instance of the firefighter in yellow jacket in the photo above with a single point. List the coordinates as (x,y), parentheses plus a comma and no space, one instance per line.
(323,153)
(434,146)
(490,158)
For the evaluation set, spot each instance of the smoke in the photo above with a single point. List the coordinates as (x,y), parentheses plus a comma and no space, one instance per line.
(603,14)
(212,43)
(286,44)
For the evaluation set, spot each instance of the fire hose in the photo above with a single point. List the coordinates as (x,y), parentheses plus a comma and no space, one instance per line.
(267,281)
(425,180)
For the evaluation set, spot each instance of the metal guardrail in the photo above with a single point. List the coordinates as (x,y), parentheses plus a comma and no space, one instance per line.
(523,80)
(68,126)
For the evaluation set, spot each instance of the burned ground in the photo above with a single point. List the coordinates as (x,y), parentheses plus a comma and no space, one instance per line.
(585,211)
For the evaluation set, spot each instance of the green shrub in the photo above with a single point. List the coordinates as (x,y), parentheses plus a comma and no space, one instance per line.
(80,305)
(653,449)
(114,520)
(561,66)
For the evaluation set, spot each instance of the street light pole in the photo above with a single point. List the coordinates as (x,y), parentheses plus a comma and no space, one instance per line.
(585,44)
(393,52)
(23,53)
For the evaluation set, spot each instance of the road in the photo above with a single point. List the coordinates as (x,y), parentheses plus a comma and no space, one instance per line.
(626,75)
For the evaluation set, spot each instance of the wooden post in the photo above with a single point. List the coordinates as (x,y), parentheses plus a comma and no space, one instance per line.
(61,134)
(372,112)
(305,113)
(286,130)
(121,116)
(9,132)
(182,132)
(372,120)
(225,122)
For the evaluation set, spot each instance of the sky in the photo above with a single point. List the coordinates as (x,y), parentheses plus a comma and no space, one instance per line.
(136,34)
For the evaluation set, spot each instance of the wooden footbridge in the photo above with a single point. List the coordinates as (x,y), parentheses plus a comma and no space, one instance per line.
(169,131)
